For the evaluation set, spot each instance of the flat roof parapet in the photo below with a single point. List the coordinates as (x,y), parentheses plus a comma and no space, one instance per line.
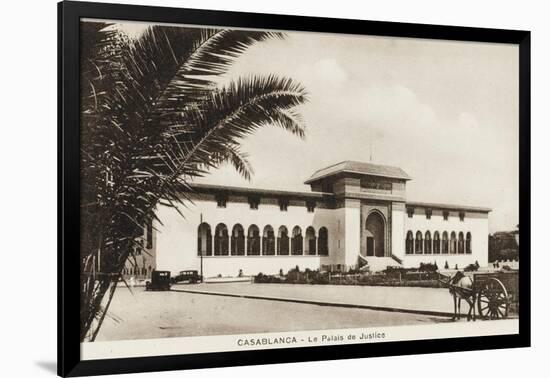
(208,188)
(450,207)
(360,168)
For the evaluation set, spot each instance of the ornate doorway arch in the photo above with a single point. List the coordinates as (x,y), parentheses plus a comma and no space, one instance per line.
(375,226)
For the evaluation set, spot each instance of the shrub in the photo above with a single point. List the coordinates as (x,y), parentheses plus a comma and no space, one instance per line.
(427,267)
(293,275)
(396,272)
(317,277)
(471,268)
(446,265)
(264,278)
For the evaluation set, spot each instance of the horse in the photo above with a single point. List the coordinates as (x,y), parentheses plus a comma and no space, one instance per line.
(461,287)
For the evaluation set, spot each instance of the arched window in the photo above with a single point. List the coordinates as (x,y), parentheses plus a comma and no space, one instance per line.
(237,240)
(453,243)
(204,240)
(282,241)
(428,243)
(311,243)
(268,241)
(418,243)
(461,242)
(409,243)
(445,243)
(297,243)
(221,240)
(322,242)
(437,243)
(253,241)
(468,243)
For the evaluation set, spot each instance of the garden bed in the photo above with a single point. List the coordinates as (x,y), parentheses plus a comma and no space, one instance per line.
(399,277)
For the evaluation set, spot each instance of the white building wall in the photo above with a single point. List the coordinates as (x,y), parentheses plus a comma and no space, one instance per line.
(398,215)
(475,223)
(177,237)
(352,222)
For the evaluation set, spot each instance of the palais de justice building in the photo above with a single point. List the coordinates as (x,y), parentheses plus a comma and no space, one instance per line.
(354,212)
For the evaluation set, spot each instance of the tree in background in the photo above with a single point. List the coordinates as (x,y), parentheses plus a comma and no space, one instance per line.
(503,246)
(152,119)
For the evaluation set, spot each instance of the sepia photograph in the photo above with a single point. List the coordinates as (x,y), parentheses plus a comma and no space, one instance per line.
(245,189)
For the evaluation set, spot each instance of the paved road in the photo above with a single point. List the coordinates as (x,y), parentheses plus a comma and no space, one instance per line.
(410,298)
(175,314)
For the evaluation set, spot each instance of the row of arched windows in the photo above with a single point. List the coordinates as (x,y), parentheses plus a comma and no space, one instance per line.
(254,244)
(424,244)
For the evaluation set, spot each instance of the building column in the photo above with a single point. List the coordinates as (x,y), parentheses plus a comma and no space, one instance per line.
(352,231)
(398,232)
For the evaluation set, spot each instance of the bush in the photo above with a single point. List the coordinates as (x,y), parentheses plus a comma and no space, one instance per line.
(471,268)
(428,267)
(317,277)
(293,275)
(393,272)
(391,276)
(264,278)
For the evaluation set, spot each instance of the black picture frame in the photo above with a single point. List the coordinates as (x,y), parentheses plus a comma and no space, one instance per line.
(69,14)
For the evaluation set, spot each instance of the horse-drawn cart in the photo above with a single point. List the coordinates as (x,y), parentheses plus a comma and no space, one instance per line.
(493,293)
(496,293)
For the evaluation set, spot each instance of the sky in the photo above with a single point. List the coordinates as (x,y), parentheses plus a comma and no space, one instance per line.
(446,112)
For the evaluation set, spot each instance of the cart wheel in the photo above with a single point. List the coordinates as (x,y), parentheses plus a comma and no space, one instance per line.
(493,302)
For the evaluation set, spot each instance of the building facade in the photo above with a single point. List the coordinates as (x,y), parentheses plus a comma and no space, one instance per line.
(143,260)
(355,214)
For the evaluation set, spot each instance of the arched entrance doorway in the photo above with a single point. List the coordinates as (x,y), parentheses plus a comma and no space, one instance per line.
(375,234)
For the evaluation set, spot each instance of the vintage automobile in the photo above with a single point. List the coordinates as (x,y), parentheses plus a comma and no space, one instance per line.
(190,276)
(160,280)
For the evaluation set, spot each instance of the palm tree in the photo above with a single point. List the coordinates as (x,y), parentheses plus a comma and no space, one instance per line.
(152,119)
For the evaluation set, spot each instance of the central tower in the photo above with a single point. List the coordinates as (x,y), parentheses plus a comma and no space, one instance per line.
(373,199)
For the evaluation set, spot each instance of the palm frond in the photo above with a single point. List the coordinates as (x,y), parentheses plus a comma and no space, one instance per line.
(232,113)
(237,158)
(151,121)
(213,54)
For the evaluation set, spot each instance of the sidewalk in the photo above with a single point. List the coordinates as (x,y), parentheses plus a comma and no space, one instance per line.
(426,301)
